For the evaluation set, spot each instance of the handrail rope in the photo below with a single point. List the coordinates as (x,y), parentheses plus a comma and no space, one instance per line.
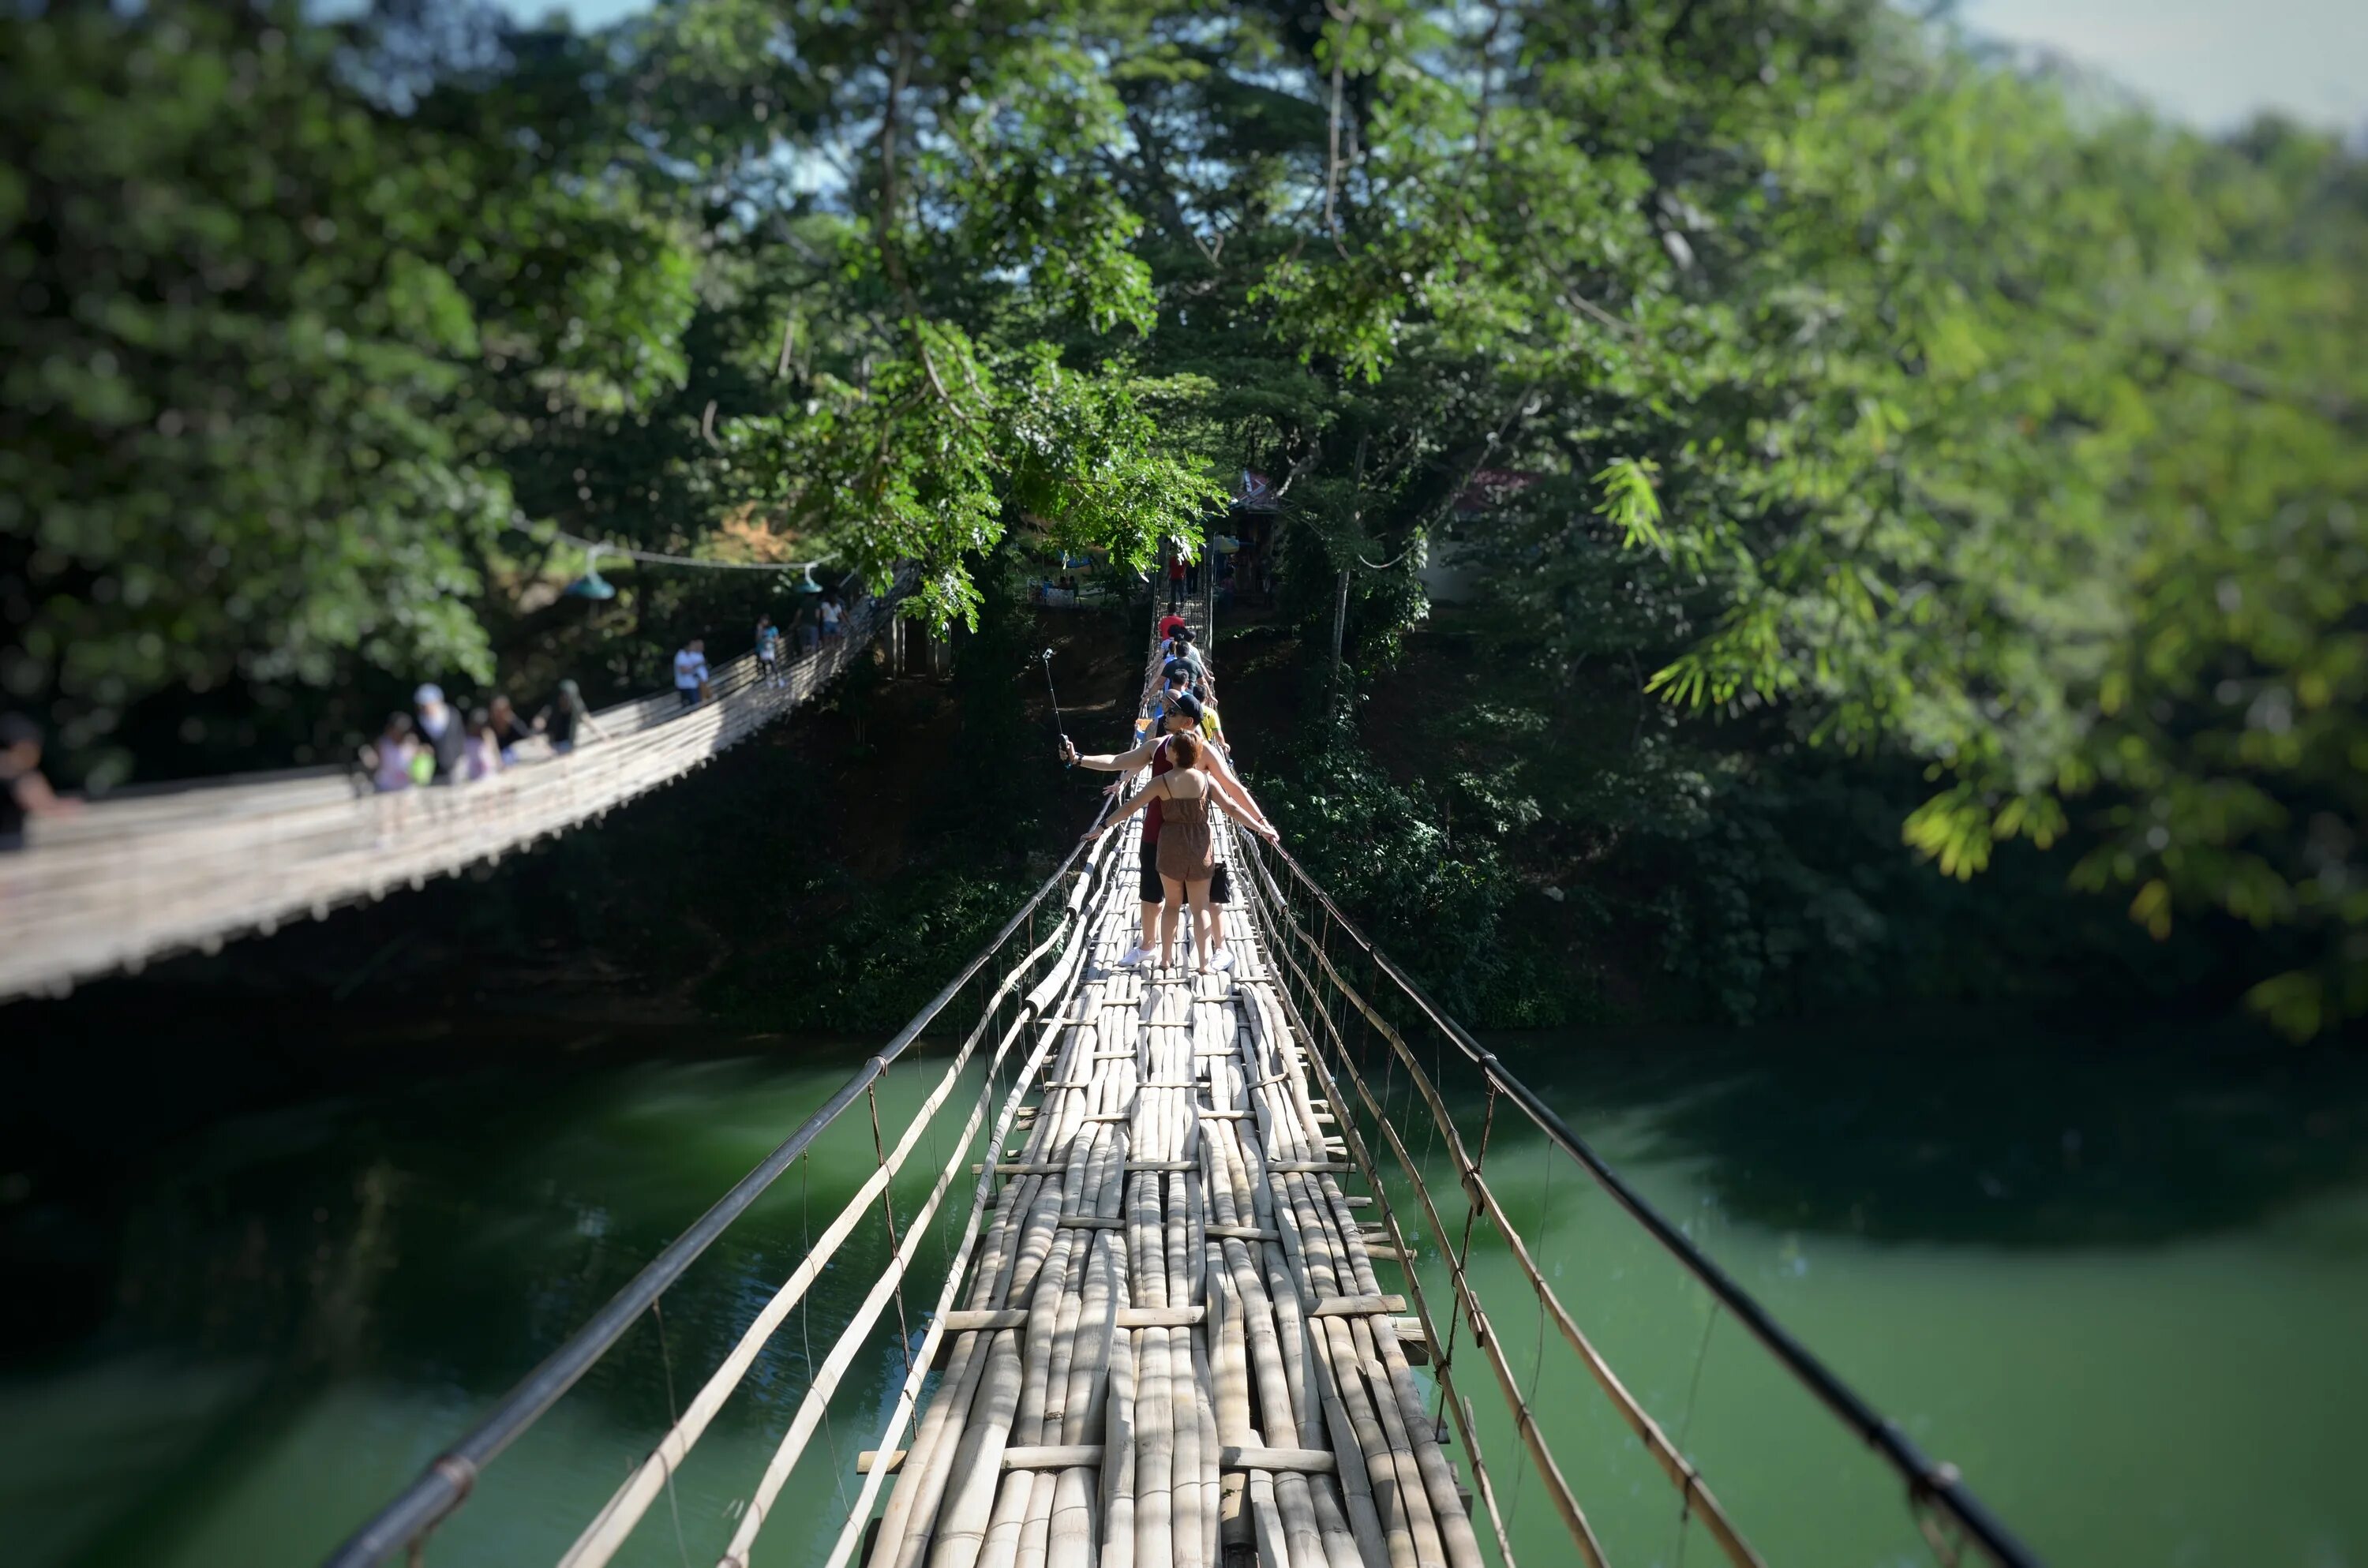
(624,1510)
(823,1385)
(1463,1296)
(851,1338)
(1016,1247)
(1926,1477)
(1293,1025)
(1681,1471)
(1077,921)
(447,1480)
(1482,1479)
(1471,1213)
(908,1396)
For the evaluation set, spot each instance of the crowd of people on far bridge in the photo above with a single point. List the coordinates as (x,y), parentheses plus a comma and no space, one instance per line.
(1182,743)
(436,742)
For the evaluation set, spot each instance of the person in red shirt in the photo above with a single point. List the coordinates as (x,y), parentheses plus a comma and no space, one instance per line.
(1176,580)
(1181,714)
(1169,624)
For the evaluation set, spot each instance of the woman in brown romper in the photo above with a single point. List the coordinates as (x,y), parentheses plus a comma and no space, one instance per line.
(1187,856)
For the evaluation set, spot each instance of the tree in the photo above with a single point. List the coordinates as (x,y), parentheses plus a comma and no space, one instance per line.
(266,308)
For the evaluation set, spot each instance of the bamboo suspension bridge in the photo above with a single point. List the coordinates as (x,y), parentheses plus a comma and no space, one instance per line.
(1205,1304)
(142,875)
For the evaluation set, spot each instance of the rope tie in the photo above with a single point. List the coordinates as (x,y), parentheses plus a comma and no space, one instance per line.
(888,1208)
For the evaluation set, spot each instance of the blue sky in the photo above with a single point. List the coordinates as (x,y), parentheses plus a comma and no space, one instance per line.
(2210,62)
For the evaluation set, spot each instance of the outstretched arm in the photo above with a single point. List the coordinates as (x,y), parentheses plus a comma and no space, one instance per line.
(1155,789)
(1236,799)
(1109,762)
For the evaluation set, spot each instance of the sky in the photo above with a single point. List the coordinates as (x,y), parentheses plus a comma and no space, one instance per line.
(2213,63)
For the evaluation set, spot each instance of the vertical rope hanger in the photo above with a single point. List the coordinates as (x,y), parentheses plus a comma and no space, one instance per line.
(1471,1185)
(1686,1425)
(674,1417)
(888,1208)
(805,1334)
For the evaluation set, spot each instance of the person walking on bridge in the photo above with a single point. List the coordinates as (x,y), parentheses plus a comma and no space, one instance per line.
(565,717)
(1175,578)
(1178,717)
(440,736)
(1184,854)
(690,673)
(24,792)
(510,731)
(769,650)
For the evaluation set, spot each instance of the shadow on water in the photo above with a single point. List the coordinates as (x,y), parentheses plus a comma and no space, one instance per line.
(269,1323)
(1965,1130)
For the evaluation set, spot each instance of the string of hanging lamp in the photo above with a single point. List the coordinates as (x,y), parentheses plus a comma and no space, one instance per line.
(592,586)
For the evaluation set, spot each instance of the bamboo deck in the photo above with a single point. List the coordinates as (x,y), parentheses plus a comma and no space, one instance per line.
(1174,1349)
(148,873)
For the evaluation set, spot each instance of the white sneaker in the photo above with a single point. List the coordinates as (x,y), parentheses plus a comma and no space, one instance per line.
(1222,960)
(1134,956)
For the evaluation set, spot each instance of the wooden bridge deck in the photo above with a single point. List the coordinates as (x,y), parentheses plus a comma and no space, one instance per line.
(1176,1347)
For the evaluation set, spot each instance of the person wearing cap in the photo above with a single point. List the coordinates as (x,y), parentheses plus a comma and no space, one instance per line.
(1177,715)
(441,742)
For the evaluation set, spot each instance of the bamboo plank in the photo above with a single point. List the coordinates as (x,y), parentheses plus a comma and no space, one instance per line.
(1179,1306)
(1357,1306)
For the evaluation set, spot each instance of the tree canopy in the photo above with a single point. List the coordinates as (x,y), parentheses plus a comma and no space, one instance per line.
(1840,384)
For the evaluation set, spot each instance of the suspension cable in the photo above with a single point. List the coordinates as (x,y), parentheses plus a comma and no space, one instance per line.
(662,558)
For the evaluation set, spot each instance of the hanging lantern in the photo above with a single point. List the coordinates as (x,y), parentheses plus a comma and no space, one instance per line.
(591,585)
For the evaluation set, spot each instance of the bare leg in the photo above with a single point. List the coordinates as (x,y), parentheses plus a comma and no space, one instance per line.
(1151,926)
(1167,914)
(1202,918)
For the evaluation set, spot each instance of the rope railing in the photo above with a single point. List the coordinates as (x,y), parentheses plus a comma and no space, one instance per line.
(134,879)
(1316,1097)
(446,1483)
(1316,952)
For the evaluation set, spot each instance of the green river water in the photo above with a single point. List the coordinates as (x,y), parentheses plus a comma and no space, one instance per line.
(2125,1289)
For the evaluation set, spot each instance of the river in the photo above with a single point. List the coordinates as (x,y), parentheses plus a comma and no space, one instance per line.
(2123,1287)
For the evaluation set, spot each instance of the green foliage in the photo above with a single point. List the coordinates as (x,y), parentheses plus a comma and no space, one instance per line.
(877,964)
(1420,866)
(1789,359)
(260,328)
(2028,450)
(957,376)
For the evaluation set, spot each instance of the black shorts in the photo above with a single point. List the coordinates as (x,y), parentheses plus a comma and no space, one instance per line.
(1155,890)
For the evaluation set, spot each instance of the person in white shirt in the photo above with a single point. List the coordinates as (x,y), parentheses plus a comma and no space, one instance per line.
(690,673)
(832,615)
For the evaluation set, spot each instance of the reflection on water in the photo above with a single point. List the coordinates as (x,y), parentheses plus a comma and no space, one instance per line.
(307,1304)
(2122,1289)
